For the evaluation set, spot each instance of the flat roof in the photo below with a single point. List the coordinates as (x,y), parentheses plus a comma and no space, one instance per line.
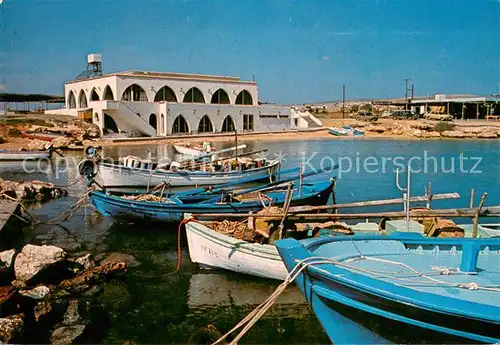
(168,75)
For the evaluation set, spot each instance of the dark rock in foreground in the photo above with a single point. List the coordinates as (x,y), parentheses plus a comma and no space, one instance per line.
(41,305)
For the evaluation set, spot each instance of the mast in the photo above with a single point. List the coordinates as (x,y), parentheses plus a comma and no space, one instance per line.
(236,144)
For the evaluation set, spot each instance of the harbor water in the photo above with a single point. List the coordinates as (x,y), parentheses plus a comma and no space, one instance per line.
(149,305)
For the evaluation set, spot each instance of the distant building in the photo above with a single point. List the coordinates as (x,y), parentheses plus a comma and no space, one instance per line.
(162,103)
(460,106)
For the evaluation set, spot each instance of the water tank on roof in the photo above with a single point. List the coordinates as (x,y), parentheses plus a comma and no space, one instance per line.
(93,58)
(94,67)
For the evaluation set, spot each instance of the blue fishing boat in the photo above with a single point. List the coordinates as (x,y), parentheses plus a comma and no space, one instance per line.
(173,209)
(338,132)
(401,288)
(354,131)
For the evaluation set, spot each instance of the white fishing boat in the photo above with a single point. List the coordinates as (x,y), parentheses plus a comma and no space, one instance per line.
(189,151)
(211,249)
(338,132)
(205,151)
(354,131)
(137,173)
(9,155)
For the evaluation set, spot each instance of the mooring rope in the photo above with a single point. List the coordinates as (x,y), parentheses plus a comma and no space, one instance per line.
(69,185)
(179,252)
(262,308)
(249,320)
(63,216)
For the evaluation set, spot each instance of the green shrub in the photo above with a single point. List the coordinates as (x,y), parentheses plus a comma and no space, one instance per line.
(443,126)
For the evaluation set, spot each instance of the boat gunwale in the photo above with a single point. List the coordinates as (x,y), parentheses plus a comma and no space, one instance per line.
(403,294)
(188,173)
(337,297)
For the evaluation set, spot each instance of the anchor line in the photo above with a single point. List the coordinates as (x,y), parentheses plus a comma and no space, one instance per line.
(179,258)
(63,216)
(249,320)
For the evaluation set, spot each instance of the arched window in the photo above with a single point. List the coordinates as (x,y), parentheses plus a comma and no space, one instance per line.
(82,100)
(205,125)
(220,97)
(94,96)
(165,94)
(153,121)
(110,124)
(108,94)
(180,125)
(134,93)
(194,95)
(244,97)
(228,125)
(71,100)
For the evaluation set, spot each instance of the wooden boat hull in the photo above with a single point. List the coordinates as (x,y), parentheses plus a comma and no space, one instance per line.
(361,301)
(43,136)
(119,176)
(210,249)
(109,205)
(23,155)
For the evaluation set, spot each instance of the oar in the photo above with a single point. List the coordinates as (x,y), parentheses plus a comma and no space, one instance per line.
(277,183)
(234,184)
(304,209)
(228,184)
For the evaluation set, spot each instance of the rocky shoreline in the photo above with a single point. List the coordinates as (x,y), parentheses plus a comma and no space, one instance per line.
(29,190)
(66,134)
(429,130)
(48,296)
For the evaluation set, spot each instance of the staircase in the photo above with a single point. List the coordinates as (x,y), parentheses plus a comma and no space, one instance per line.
(312,121)
(126,114)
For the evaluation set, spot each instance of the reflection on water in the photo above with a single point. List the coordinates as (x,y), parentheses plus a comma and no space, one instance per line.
(151,307)
(217,289)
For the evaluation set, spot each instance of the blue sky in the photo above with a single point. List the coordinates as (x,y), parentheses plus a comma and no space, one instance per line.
(301,51)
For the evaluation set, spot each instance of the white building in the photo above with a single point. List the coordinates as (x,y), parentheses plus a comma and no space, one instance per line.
(160,103)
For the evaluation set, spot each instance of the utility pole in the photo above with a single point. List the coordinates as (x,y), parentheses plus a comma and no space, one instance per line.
(343,102)
(406,92)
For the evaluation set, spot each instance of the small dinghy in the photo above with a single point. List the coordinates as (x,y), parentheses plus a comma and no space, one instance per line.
(12,155)
(402,288)
(196,151)
(354,131)
(338,132)
(44,136)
